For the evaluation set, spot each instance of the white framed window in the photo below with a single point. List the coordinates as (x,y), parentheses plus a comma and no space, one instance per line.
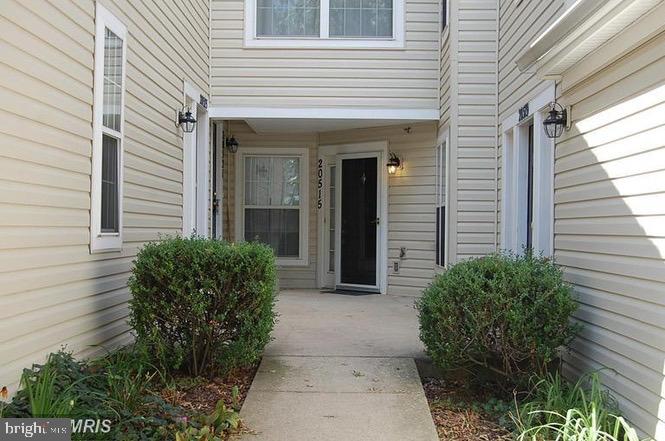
(272,206)
(441,176)
(108,132)
(325,23)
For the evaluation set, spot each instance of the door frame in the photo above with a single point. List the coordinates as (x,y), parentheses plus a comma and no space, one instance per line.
(365,149)
(196,156)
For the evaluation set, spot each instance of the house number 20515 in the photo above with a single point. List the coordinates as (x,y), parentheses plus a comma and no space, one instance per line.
(319,189)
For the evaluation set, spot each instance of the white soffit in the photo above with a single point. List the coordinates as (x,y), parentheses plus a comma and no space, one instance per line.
(584,27)
(311,120)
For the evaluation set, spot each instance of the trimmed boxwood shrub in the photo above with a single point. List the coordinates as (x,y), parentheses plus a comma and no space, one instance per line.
(203,305)
(507,313)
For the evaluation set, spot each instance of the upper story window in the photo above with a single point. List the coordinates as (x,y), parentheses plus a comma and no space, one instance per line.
(362,24)
(288,18)
(361,18)
(108,132)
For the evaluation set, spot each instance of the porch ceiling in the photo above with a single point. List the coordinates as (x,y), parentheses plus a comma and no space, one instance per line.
(319,119)
(310,125)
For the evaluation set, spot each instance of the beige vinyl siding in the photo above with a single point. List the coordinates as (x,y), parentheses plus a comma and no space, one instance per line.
(520,23)
(610,228)
(386,78)
(54,292)
(411,194)
(289,276)
(444,79)
(475,142)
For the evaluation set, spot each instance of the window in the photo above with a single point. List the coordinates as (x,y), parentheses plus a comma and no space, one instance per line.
(331,219)
(529,190)
(324,23)
(108,126)
(274,205)
(441,174)
(288,18)
(361,18)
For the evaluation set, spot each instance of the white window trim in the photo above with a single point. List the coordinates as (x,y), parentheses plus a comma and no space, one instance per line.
(515,138)
(324,40)
(303,153)
(103,242)
(444,138)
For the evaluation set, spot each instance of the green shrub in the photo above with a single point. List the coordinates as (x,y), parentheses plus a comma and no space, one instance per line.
(203,305)
(558,410)
(507,313)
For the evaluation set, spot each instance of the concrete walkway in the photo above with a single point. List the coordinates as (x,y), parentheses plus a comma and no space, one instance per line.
(341,368)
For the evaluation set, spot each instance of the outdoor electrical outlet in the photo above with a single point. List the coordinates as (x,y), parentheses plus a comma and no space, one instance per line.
(396,266)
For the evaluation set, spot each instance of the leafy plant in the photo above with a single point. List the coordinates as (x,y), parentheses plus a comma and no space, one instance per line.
(46,401)
(212,427)
(59,387)
(509,314)
(557,410)
(127,373)
(203,305)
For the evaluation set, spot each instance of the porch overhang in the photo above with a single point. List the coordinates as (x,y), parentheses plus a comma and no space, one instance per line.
(586,28)
(320,119)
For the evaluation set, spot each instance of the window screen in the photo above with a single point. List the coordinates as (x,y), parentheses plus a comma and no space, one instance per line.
(361,18)
(272,203)
(109,185)
(288,18)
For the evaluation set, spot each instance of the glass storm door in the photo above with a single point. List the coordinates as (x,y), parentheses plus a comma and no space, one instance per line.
(358,223)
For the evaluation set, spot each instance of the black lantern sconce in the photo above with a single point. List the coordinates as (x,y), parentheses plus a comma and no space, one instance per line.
(556,121)
(232,144)
(186,120)
(393,163)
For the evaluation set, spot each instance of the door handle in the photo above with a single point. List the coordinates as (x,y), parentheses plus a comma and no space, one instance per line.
(375,221)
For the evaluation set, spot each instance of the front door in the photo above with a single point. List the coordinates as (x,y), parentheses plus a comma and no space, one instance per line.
(358,220)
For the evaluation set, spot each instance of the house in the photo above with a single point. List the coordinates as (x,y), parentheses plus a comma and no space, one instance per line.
(369,142)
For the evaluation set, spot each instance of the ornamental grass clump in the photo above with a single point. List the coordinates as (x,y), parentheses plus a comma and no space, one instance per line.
(203,306)
(507,313)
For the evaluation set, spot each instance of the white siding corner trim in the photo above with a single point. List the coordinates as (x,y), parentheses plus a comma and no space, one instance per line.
(324,40)
(101,241)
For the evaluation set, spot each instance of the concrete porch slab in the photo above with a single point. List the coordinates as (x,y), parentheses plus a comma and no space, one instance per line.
(340,368)
(315,323)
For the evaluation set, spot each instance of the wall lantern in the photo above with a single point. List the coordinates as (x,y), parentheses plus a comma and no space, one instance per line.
(186,120)
(556,121)
(232,144)
(393,163)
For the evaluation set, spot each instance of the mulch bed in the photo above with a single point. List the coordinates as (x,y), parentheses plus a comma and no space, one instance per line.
(454,415)
(200,395)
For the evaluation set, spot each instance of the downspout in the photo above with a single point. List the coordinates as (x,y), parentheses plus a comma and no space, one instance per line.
(498,135)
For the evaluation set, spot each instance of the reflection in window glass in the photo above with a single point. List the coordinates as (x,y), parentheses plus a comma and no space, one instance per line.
(361,18)
(112,80)
(272,203)
(288,18)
